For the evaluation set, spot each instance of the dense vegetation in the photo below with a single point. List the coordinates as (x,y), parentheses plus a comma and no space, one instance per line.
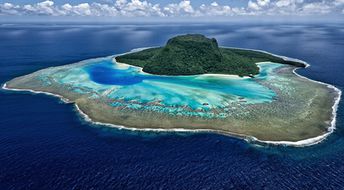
(195,54)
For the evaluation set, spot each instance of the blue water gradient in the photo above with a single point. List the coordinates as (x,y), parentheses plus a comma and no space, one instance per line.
(128,86)
(44,144)
(121,81)
(104,73)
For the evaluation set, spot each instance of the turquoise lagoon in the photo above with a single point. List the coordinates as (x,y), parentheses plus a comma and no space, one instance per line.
(128,86)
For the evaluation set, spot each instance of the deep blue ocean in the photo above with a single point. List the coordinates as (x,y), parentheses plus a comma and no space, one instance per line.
(45,144)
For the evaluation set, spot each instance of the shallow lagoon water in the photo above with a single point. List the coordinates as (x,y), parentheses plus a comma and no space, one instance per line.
(45,145)
(118,81)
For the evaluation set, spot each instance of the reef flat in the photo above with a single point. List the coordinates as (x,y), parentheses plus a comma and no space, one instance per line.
(276,105)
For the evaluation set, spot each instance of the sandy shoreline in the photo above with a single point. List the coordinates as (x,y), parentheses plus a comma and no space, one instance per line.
(301,143)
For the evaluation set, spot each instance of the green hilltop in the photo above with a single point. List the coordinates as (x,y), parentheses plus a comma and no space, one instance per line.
(196,54)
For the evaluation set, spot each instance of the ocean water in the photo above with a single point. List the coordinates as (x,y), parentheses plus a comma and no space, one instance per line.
(45,144)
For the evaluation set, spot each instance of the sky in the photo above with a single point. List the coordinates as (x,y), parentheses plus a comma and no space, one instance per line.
(171,8)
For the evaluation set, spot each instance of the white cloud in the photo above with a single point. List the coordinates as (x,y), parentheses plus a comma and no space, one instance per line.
(214,4)
(186,6)
(284,3)
(67,7)
(263,3)
(183,8)
(257,5)
(41,8)
(103,10)
(8,5)
(120,3)
(252,5)
(214,9)
(314,8)
(82,9)
(286,7)
(139,8)
(45,7)
(8,9)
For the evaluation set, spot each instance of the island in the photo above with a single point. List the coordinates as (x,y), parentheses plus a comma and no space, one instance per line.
(194,54)
(191,84)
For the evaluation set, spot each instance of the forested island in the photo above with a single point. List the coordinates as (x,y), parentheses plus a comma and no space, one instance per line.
(193,54)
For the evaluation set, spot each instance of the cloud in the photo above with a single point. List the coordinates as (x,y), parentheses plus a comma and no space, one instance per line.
(8,9)
(257,5)
(263,3)
(214,9)
(294,7)
(7,6)
(140,8)
(253,5)
(85,9)
(184,8)
(283,3)
(42,8)
(316,8)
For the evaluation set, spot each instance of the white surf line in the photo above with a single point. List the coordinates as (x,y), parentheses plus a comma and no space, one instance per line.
(314,140)
(301,143)
(318,139)
(63,99)
(121,127)
(87,118)
(331,128)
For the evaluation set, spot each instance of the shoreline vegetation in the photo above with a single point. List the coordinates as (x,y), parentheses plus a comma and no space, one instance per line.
(194,54)
(305,116)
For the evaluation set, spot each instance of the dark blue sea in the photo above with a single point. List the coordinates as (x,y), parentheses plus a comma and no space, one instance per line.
(46,144)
